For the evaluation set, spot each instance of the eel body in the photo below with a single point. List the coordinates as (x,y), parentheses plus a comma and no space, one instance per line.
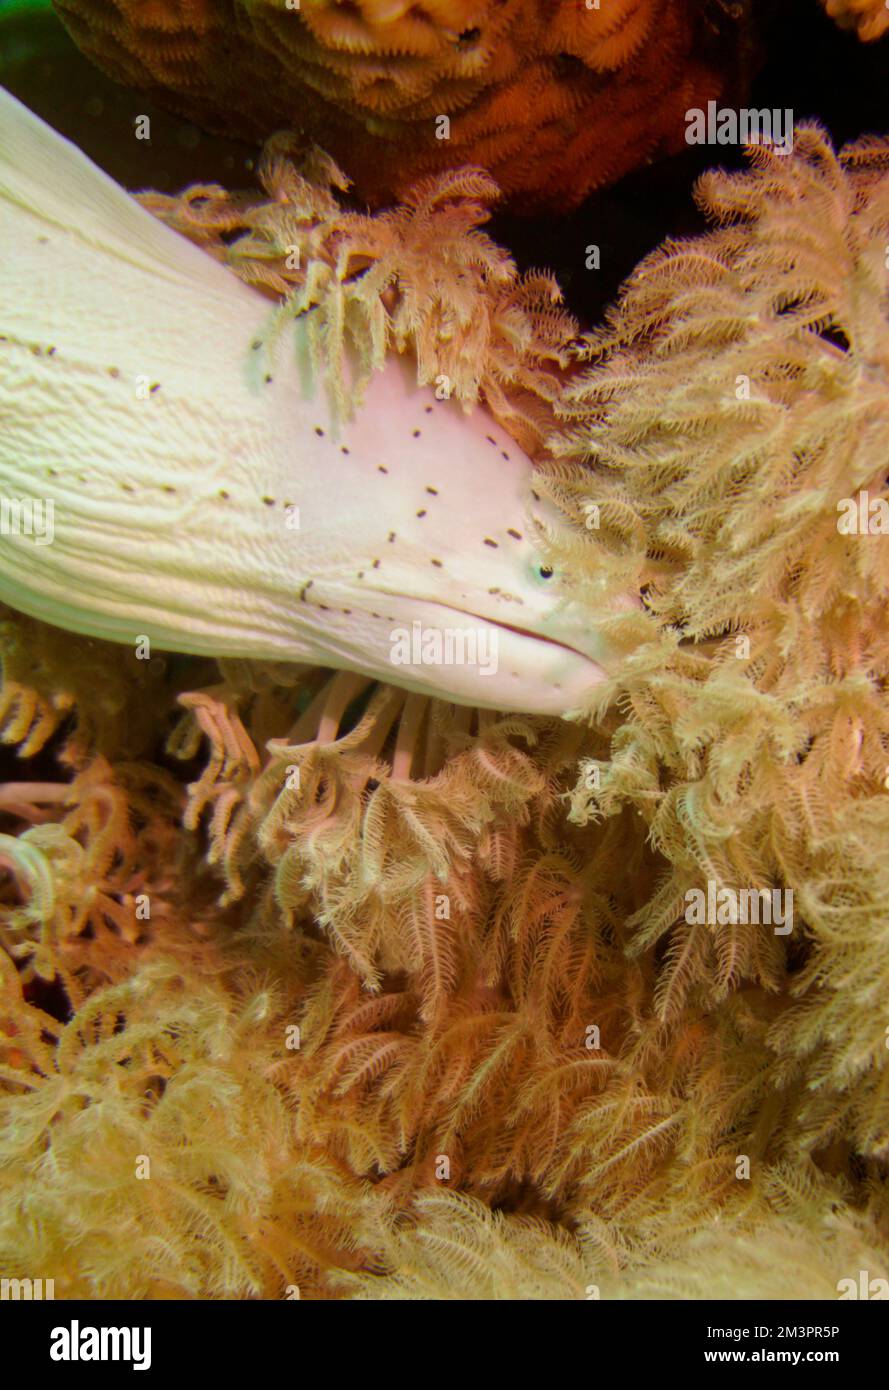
(161,479)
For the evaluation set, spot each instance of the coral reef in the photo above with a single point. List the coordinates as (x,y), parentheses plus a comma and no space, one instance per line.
(551,97)
(737,407)
(419,1009)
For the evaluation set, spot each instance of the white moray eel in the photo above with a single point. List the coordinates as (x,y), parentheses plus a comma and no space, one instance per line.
(134,399)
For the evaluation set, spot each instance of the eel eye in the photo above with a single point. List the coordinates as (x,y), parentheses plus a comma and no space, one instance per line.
(543,571)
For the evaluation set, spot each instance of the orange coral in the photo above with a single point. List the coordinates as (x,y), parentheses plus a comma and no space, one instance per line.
(555,98)
(869,17)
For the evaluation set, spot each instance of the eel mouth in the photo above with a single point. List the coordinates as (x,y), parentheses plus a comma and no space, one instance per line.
(435,615)
(526,632)
(446,613)
(534,636)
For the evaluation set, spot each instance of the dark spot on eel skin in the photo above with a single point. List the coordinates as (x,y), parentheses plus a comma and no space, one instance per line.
(381,469)
(269,501)
(488,541)
(428,409)
(416,434)
(392,535)
(422,512)
(168,487)
(504,455)
(268,381)
(114,371)
(491,441)
(224,495)
(156,386)
(433,491)
(437,564)
(376,564)
(319,431)
(535,495)
(516,535)
(343,449)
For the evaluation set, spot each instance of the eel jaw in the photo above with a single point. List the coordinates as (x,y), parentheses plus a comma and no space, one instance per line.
(535,673)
